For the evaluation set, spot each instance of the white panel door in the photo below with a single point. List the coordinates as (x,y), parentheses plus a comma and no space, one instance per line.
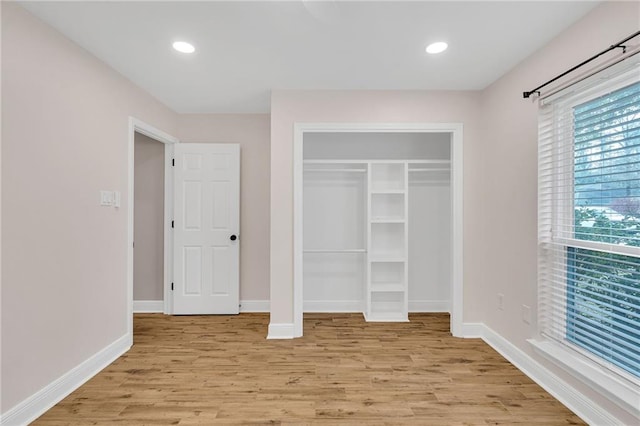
(206,229)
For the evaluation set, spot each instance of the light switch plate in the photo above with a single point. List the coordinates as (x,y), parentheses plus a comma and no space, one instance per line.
(106,198)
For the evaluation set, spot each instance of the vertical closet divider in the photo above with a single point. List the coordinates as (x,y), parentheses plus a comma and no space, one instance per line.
(367,259)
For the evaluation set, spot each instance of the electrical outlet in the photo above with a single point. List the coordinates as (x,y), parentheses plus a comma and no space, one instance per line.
(500,301)
(526,314)
(110,198)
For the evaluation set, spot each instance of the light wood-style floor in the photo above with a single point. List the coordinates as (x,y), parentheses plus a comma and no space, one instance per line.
(221,370)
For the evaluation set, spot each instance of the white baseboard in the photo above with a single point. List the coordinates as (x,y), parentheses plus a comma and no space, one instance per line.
(157,306)
(148,306)
(318,306)
(333,306)
(472,330)
(254,306)
(281,331)
(577,402)
(429,306)
(37,404)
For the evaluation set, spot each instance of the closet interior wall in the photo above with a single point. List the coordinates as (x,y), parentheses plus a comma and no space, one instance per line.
(377,223)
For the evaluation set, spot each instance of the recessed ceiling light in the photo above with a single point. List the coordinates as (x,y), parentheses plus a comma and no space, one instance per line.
(184,47)
(437,47)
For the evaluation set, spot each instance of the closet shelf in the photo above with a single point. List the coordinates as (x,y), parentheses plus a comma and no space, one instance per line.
(421,162)
(383,258)
(430,170)
(336,170)
(387,287)
(388,191)
(334,251)
(333,162)
(365,161)
(387,220)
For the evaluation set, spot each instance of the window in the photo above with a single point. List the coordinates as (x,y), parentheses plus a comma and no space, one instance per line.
(589,223)
(603,294)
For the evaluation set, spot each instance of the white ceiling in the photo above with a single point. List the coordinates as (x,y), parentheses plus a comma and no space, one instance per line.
(246,49)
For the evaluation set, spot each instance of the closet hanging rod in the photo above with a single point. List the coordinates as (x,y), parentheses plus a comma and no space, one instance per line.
(618,45)
(429,170)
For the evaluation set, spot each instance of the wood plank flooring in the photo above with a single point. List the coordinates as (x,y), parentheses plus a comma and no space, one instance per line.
(221,370)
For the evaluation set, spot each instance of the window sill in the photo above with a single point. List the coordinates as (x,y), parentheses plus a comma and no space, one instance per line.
(619,391)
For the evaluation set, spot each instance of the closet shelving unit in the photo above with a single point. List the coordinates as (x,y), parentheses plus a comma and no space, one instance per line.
(387,295)
(387,227)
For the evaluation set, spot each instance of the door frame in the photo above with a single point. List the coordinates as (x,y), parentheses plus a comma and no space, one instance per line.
(456,131)
(139,126)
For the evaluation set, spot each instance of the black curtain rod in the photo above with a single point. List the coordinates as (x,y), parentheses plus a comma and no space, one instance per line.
(618,45)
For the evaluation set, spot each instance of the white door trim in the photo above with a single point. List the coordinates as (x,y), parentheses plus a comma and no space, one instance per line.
(139,126)
(456,129)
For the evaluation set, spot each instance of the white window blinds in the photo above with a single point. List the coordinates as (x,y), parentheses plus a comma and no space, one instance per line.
(589,220)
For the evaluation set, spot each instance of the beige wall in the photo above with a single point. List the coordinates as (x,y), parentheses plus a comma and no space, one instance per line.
(289,107)
(64,138)
(510,175)
(148,222)
(251,131)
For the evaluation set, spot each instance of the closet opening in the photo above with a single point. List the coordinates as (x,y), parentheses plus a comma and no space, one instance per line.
(378,221)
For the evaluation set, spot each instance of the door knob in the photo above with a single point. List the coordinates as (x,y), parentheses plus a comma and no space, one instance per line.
(233,238)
